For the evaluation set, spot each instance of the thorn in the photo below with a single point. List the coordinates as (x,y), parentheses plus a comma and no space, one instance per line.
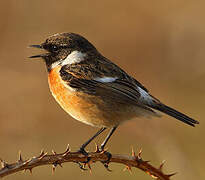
(133,153)
(97,150)
(26,162)
(30,170)
(103,151)
(1,161)
(55,164)
(146,161)
(106,149)
(4,164)
(128,168)
(42,154)
(67,150)
(162,165)
(53,168)
(53,152)
(89,167)
(20,159)
(170,175)
(139,154)
(153,176)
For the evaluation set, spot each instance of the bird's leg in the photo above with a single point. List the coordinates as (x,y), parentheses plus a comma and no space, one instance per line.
(107,138)
(82,148)
(109,155)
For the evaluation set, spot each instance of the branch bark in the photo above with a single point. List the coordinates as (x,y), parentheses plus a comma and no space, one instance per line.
(76,157)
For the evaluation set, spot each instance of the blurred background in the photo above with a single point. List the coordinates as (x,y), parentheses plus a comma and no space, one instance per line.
(160,43)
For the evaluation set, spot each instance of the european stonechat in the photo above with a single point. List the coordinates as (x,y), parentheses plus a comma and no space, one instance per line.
(94,90)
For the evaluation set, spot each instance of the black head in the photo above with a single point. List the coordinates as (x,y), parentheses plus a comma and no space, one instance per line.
(60,45)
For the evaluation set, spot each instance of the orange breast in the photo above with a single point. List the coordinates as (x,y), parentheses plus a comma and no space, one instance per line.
(56,86)
(59,90)
(68,99)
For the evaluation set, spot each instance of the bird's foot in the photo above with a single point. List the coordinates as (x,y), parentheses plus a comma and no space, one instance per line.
(109,156)
(83,152)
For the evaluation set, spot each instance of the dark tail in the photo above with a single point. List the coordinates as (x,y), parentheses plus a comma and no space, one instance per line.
(172,112)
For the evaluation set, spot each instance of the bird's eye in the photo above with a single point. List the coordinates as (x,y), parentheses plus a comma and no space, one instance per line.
(54,48)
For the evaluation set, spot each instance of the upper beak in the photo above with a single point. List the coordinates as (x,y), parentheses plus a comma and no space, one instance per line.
(36,46)
(40,55)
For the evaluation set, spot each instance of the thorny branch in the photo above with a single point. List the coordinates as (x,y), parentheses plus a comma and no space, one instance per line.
(76,157)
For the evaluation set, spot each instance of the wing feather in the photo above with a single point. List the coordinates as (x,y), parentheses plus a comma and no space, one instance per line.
(120,90)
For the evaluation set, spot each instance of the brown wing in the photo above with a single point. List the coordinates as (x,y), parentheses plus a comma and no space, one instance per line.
(121,90)
(99,67)
(83,80)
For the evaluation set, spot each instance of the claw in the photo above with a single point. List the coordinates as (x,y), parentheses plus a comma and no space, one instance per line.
(106,162)
(109,156)
(89,167)
(81,166)
(107,167)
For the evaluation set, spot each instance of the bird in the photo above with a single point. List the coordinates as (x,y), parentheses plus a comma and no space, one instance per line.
(94,90)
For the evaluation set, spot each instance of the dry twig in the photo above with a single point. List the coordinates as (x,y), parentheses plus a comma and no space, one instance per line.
(76,157)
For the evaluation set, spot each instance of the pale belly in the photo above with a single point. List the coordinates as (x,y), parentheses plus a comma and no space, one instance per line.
(91,109)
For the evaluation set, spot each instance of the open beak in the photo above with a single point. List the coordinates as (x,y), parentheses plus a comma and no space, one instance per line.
(36,46)
(40,55)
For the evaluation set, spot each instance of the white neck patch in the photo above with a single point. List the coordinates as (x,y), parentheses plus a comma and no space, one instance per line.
(105,79)
(53,65)
(73,58)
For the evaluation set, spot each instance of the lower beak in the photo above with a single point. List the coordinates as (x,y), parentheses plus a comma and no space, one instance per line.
(40,55)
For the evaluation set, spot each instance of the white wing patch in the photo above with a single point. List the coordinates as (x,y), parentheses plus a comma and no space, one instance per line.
(144,96)
(73,58)
(105,79)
